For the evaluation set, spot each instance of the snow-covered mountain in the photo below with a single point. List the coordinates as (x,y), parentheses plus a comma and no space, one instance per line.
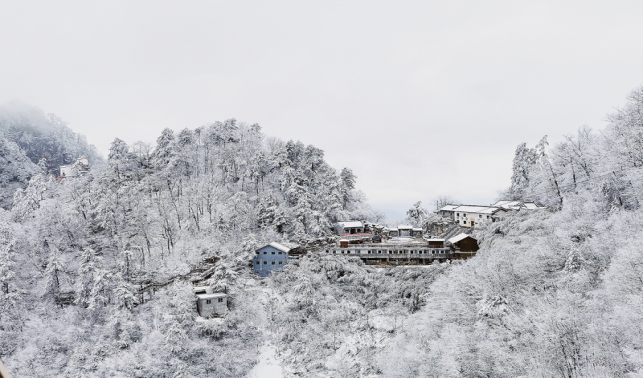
(554,292)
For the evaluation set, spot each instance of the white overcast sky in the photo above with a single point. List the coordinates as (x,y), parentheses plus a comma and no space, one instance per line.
(419,98)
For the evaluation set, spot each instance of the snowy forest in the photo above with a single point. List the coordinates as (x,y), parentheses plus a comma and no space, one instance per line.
(551,293)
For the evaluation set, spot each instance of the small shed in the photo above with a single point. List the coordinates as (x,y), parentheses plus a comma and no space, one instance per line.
(417,232)
(215,304)
(343,243)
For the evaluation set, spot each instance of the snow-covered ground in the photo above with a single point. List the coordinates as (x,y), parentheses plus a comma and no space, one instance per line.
(268,366)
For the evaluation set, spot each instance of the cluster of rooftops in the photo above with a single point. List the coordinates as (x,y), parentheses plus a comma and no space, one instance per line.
(378,244)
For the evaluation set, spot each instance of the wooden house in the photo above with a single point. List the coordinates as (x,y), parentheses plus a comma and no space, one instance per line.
(464,246)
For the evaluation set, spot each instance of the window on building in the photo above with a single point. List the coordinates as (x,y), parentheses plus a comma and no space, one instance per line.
(265,253)
(258,262)
(280,252)
(357,251)
(458,214)
(281,262)
(480,216)
(208,301)
(265,263)
(273,252)
(220,300)
(273,263)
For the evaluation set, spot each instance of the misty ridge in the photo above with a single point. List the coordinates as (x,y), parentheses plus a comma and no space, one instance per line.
(98,270)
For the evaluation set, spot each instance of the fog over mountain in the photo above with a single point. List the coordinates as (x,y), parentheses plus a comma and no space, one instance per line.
(419,98)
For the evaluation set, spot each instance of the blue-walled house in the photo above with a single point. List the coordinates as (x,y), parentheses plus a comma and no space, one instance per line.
(270,257)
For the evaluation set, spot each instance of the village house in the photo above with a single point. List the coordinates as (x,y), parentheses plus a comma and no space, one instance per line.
(354,231)
(471,215)
(81,166)
(447,211)
(348,228)
(270,257)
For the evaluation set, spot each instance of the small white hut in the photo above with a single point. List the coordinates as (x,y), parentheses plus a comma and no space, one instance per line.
(212,304)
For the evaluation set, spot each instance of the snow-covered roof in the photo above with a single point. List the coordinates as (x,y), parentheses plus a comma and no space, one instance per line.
(471,209)
(512,205)
(210,296)
(448,208)
(350,224)
(488,210)
(517,205)
(404,227)
(417,229)
(459,237)
(280,247)
(403,241)
(435,240)
(343,240)
(503,203)
(533,206)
